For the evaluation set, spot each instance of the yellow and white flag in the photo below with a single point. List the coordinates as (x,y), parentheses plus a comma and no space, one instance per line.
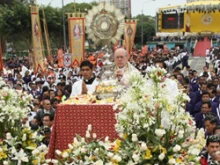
(77,39)
(39,64)
(129,34)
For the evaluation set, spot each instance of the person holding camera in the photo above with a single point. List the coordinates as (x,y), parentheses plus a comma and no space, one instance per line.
(47,128)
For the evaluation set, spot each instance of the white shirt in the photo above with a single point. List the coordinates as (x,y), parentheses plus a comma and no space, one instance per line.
(207,52)
(77,87)
(23,70)
(175,58)
(208,74)
(207,59)
(32,115)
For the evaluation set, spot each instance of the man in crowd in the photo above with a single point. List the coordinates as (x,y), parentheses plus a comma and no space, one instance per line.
(212,146)
(45,110)
(211,123)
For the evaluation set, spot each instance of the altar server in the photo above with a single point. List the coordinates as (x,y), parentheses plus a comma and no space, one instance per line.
(88,83)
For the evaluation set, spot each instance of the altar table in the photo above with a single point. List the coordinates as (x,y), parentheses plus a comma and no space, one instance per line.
(74,119)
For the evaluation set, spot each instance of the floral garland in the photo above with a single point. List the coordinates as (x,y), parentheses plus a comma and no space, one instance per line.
(153,126)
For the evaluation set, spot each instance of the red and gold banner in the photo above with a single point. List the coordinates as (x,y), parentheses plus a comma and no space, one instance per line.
(129,34)
(39,64)
(76,38)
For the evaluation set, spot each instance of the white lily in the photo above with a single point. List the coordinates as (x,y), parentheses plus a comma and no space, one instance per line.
(20,156)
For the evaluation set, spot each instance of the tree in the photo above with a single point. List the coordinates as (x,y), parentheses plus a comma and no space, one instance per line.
(55,25)
(83,7)
(15,22)
(148,28)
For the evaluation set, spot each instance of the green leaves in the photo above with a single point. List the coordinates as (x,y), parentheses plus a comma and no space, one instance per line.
(148,28)
(15,23)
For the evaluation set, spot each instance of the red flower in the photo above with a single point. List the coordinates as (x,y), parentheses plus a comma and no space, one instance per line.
(190,122)
(112,147)
(164,85)
(159,73)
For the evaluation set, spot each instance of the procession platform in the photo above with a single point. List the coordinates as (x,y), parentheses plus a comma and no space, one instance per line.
(72,119)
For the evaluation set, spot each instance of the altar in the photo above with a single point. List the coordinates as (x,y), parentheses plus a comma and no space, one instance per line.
(74,119)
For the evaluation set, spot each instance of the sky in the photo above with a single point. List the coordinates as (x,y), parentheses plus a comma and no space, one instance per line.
(149,7)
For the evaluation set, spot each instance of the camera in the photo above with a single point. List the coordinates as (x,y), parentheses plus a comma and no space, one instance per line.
(45,130)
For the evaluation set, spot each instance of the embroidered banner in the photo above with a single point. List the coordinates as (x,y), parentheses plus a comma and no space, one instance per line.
(129,34)
(37,40)
(67,60)
(76,38)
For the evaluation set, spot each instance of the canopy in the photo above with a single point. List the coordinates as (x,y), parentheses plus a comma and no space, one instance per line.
(203,5)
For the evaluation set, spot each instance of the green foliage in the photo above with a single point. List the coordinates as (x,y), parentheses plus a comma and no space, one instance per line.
(83,7)
(55,25)
(148,28)
(15,24)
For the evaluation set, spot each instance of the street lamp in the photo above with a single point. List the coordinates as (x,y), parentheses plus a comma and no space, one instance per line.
(142,22)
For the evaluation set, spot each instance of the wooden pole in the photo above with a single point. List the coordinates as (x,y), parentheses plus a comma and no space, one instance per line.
(46,35)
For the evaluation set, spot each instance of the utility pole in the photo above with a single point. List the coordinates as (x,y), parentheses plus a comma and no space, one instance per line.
(142,22)
(64,28)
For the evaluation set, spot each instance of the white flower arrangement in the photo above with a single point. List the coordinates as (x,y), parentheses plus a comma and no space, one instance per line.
(13,108)
(18,144)
(153,126)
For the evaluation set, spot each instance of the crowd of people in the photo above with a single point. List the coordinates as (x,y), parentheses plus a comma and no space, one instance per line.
(183,38)
(58,84)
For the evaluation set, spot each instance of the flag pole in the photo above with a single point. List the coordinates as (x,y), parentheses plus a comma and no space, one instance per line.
(47,37)
(64,28)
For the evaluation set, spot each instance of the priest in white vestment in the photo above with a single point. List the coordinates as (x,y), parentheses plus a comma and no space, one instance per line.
(122,66)
(88,83)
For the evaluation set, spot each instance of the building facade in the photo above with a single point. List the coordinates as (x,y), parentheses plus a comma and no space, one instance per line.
(124,5)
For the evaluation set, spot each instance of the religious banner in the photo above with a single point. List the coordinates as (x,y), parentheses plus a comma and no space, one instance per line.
(76,37)
(60,58)
(37,40)
(129,34)
(67,60)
